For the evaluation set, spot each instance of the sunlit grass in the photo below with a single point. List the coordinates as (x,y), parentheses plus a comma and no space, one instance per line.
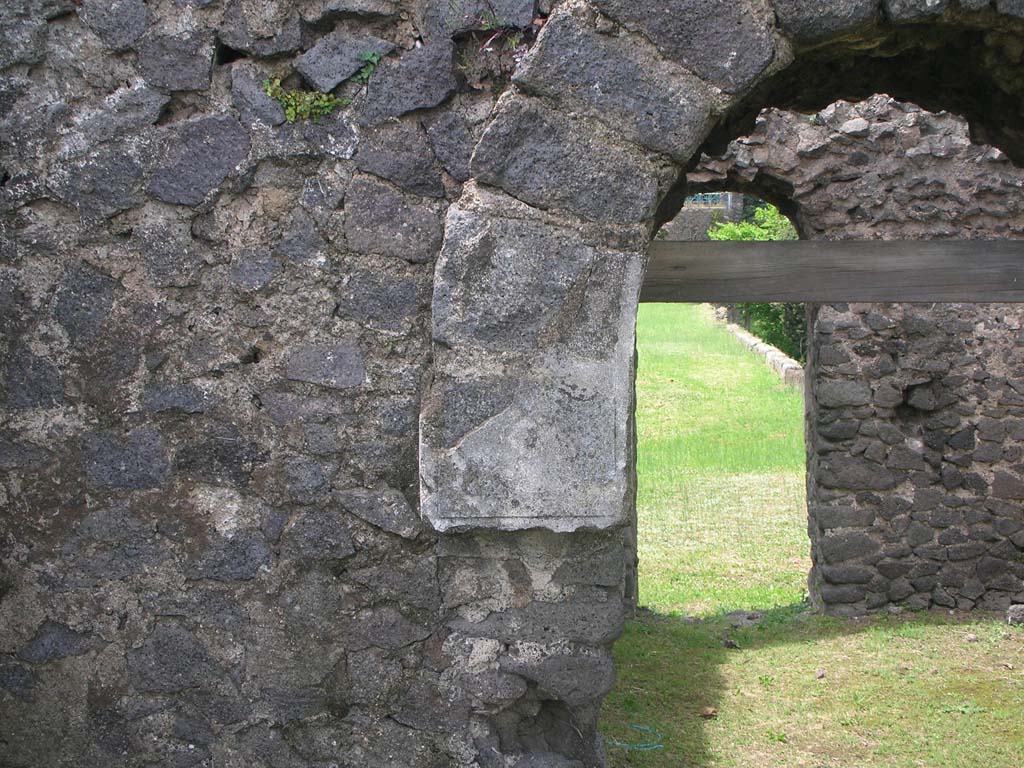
(720,465)
(891,692)
(706,403)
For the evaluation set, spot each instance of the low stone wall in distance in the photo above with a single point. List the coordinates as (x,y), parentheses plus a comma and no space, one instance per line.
(788,369)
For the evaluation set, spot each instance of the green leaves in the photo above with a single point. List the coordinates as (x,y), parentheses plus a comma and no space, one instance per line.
(312,105)
(781,325)
(768,224)
(370,61)
(303,105)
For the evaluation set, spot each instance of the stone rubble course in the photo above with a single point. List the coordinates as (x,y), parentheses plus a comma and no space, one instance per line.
(914,415)
(315,438)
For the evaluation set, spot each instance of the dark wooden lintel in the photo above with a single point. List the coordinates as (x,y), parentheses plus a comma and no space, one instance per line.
(836,271)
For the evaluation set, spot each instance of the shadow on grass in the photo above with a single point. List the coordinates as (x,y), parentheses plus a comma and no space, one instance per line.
(671,680)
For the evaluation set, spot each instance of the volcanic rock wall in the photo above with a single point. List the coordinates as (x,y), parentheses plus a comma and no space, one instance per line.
(215,335)
(914,424)
(214,331)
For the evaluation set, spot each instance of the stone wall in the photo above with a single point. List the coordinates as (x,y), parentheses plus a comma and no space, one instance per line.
(214,333)
(789,371)
(913,427)
(215,340)
(692,223)
(226,540)
(695,218)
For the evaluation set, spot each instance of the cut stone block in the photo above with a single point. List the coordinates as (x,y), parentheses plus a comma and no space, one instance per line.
(554,159)
(727,44)
(527,421)
(620,81)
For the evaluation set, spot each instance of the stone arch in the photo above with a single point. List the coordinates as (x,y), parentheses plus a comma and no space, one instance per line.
(527,421)
(526,428)
(902,487)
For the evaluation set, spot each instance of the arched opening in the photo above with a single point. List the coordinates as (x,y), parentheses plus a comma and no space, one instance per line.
(967,64)
(721,505)
(834,203)
(537,287)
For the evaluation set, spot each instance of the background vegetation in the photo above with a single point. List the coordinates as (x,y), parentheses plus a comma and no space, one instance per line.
(782,325)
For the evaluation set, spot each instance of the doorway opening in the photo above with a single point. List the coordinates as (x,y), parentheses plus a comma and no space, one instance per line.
(796,688)
(721,498)
(721,469)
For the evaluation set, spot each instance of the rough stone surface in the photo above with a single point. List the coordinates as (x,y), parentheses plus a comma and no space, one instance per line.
(318,535)
(54,641)
(219,375)
(23,35)
(83,301)
(654,103)
(419,79)
(912,10)
(485,457)
(31,381)
(1011,7)
(398,152)
(118,24)
(251,100)
(138,460)
(102,183)
(198,156)
(445,18)
(321,10)
(176,63)
(261,28)
(388,510)
(534,153)
(379,219)
(336,57)
(238,558)
(809,21)
(728,44)
(452,143)
(336,366)
(130,109)
(171,659)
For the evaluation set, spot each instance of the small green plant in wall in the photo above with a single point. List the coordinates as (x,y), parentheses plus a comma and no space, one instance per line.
(303,105)
(370,61)
(312,105)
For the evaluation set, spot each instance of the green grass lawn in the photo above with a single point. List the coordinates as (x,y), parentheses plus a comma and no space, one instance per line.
(720,452)
(722,526)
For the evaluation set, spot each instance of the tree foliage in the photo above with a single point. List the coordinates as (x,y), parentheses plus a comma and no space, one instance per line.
(781,325)
(767,223)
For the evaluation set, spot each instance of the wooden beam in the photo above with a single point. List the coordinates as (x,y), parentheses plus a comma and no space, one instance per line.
(827,271)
